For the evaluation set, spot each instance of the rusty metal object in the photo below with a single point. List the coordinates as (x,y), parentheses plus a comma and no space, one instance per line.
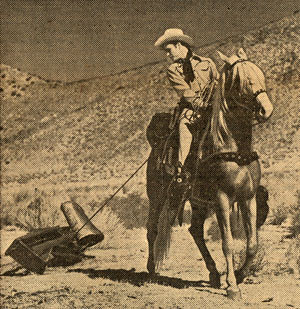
(86,232)
(56,246)
(35,250)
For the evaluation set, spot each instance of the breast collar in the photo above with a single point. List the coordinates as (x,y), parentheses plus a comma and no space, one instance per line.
(236,62)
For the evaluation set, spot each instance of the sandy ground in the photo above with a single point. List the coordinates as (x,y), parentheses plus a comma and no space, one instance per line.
(117,278)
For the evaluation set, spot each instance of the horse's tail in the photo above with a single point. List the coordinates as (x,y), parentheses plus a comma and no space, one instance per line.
(262,197)
(163,239)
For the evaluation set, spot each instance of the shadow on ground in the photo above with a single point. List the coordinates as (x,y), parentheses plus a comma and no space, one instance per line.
(140,278)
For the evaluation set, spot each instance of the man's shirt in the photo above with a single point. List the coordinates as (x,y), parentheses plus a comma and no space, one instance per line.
(204,70)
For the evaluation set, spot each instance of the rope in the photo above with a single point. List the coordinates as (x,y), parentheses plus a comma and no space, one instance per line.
(113,195)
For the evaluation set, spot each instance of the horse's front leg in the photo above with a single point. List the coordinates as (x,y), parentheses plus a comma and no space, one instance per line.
(197,231)
(223,216)
(249,212)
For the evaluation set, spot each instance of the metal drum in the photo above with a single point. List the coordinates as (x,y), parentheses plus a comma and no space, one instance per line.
(87,234)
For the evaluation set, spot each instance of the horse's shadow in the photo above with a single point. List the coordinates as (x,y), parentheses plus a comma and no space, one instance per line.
(140,278)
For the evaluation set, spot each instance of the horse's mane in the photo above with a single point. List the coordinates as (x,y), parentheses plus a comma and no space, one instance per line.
(248,78)
(219,129)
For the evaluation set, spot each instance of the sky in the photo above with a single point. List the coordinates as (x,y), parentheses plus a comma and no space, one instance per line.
(77,39)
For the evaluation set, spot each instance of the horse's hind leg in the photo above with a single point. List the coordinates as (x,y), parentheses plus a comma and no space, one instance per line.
(249,211)
(223,216)
(197,231)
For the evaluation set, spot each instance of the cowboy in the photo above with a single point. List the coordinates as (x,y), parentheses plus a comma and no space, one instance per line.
(193,78)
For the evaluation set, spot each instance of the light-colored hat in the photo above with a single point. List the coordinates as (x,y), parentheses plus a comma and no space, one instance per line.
(172,35)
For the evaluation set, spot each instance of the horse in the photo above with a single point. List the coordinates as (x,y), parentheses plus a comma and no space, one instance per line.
(226,173)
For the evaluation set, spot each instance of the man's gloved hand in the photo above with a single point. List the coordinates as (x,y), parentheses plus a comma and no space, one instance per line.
(189,95)
(193,99)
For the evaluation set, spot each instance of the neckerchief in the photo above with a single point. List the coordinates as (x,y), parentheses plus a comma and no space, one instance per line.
(188,72)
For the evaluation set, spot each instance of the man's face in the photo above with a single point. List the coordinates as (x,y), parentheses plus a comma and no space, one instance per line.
(173,51)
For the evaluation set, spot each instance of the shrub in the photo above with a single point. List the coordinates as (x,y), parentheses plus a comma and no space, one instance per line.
(112,228)
(40,212)
(258,263)
(132,210)
(31,210)
(7,215)
(280,214)
(293,255)
(20,196)
(214,231)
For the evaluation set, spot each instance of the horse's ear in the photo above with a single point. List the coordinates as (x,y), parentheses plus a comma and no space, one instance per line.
(241,53)
(223,57)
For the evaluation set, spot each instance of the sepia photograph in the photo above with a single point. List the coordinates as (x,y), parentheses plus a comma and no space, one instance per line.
(150,154)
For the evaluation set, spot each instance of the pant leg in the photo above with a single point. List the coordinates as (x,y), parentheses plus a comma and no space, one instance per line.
(185,136)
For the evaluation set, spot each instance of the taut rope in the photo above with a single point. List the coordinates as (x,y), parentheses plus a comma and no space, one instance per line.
(113,195)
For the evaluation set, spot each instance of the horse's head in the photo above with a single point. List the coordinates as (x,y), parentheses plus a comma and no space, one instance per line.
(244,84)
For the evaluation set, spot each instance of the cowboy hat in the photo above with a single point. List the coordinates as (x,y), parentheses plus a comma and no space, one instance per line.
(172,35)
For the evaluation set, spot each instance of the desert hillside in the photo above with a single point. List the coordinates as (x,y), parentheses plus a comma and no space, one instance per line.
(94,130)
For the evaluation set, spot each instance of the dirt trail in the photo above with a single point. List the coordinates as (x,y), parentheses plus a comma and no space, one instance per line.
(117,278)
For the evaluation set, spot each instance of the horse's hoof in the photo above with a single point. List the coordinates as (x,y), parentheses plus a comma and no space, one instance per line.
(153,275)
(151,268)
(214,280)
(234,294)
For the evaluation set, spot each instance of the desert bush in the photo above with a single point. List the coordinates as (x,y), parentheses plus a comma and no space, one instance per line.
(31,210)
(112,228)
(259,262)
(21,196)
(293,255)
(132,210)
(40,215)
(11,205)
(279,215)
(7,214)
(214,231)
(295,226)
